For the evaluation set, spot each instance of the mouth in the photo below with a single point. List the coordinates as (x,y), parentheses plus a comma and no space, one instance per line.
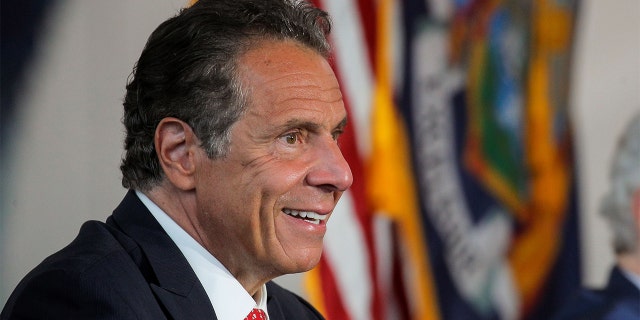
(307,216)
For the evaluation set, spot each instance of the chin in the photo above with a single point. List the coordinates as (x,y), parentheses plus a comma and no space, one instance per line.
(304,263)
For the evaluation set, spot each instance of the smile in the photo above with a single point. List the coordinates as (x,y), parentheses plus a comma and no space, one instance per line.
(308,216)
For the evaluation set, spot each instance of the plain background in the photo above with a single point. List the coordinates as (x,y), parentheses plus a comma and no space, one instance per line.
(66,143)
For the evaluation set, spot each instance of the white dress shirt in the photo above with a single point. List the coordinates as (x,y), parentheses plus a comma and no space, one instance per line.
(229,299)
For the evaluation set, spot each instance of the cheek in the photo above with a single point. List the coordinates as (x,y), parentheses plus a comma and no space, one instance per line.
(277,178)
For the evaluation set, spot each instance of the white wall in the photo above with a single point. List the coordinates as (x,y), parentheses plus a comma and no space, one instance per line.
(606,92)
(63,167)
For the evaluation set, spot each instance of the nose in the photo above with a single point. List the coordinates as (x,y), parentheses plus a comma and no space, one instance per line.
(330,170)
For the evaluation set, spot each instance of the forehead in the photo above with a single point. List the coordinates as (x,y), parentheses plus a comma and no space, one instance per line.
(280,75)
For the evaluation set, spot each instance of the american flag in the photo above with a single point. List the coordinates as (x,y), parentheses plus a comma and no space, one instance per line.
(463,202)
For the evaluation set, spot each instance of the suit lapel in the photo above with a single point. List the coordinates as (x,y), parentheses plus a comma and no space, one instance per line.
(284,305)
(273,306)
(172,280)
(184,307)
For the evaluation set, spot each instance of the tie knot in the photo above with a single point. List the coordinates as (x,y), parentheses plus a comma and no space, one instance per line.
(256,314)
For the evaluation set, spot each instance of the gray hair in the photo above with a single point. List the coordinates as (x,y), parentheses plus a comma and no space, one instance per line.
(625,181)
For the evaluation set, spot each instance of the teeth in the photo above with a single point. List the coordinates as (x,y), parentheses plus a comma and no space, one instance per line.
(310,216)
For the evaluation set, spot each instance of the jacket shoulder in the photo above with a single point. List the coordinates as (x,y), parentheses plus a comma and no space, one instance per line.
(95,274)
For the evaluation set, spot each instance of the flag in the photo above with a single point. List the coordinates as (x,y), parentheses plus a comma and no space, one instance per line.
(374,264)
(464,198)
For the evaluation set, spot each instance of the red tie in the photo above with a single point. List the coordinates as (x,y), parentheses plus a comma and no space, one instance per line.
(256,314)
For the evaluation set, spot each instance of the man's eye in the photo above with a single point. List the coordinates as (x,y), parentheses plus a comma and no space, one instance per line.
(291,138)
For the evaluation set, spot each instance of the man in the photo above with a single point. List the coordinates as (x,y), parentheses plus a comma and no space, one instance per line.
(620,299)
(232,117)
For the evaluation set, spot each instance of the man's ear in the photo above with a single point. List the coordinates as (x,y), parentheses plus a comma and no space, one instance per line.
(176,147)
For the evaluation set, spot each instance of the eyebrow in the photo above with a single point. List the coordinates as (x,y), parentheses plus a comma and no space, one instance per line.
(342,123)
(312,126)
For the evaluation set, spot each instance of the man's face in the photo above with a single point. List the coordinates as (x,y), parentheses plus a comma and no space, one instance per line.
(284,164)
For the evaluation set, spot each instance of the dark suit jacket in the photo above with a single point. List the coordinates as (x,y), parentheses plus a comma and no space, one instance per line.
(126,268)
(619,300)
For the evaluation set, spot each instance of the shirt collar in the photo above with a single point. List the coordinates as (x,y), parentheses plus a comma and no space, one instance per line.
(228,298)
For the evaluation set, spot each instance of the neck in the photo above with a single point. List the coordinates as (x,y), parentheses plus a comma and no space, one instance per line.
(180,206)
(252,281)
